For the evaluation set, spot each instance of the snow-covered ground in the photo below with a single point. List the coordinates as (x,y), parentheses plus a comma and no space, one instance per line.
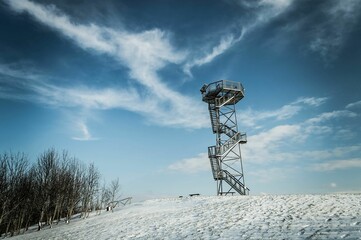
(336,216)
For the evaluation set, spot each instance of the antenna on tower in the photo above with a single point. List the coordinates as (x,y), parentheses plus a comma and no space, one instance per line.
(225,157)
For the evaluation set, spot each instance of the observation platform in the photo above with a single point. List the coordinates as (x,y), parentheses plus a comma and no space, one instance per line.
(223,92)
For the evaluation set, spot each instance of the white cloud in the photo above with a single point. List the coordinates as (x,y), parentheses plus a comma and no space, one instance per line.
(267,10)
(86,136)
(312,101)
(155,111)
(143,53)
(331,115)
(270,145)
(279,143)
(327,28)
(266,146)
(192,165)
(273,8)
(253,118)
(337,165)
(333,185)
(354,105)
(225,43)
(278,4)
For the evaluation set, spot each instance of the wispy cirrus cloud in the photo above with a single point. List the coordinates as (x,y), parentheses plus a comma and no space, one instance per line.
(85,134)
(143,53)
(224,44)
(326,26)
(262,12)
(311,101)
(38,90)
(340,18)
(354,105)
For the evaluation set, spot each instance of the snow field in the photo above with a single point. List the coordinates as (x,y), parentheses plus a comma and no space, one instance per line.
(336,216)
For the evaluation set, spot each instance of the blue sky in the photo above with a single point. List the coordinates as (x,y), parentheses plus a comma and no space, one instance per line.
(117,83)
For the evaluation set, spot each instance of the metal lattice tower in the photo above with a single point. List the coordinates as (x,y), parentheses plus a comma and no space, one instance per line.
(225,157)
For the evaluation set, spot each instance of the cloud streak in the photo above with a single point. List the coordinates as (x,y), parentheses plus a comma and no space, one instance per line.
(354,105)
(144,53)
(266,11)
(86,136)
(225,43)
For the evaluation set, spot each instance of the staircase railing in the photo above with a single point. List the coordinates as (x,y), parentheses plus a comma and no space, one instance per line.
(214,118)
(228,145)
(214,162)
(227,130)
(224,100)
(234,182)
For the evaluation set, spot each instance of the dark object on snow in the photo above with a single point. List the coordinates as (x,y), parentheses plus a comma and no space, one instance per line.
(194,194)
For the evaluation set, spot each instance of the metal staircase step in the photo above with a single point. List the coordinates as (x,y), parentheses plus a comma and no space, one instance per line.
(227,130)
(229,144)
(234,182)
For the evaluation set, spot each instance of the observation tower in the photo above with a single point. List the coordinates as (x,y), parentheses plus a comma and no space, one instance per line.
(225,157)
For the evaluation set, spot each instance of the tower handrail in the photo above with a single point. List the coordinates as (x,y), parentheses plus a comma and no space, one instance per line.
(229,144)
(227,130)
(215,87)
(236,184)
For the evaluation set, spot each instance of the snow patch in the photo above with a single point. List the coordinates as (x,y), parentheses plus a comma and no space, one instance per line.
(336,216)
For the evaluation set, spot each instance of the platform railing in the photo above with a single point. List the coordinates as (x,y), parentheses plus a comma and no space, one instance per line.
(216,87)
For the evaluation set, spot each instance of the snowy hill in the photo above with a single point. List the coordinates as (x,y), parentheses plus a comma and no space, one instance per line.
(336,216)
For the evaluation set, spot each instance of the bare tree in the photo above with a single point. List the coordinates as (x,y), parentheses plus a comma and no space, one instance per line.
(114,191)
(13,175)
(90,188)
(55,186)
(46,174)
(74,191)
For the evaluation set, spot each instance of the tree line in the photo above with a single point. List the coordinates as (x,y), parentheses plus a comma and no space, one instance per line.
(54,187)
